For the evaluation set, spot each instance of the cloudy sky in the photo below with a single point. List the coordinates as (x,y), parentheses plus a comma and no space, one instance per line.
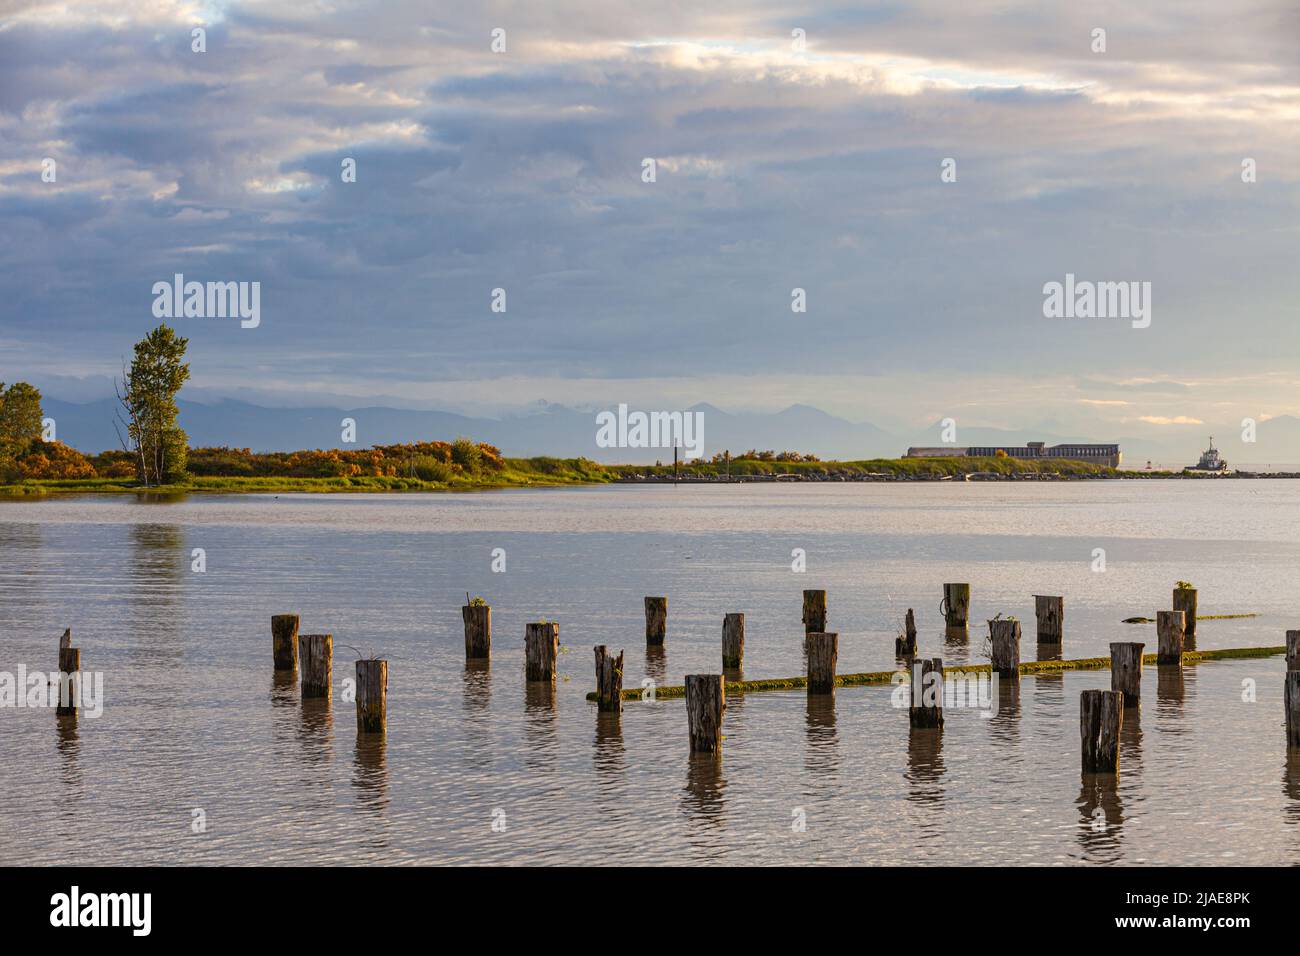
(777,167)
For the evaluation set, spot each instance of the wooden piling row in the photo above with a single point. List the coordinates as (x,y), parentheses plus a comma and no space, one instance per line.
(1004,638)
(1185,601)
(316,661)
(1050,612)
(823,653)
(814,612)
(478,631)
(926,709)
(1101,715)
(955,609)
(1293,650)
(609,680)
(1126,671)
(541,648)
(69,677)
(706,699)
(372,696)
(733,642)
(656,620)
(905,646)
(1169,636)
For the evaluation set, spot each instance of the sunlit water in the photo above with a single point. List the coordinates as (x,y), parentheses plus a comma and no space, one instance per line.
(193,719)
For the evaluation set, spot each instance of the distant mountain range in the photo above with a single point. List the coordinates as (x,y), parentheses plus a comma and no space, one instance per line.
(569,432)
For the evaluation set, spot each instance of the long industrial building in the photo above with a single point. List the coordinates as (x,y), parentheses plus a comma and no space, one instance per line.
(1097,454)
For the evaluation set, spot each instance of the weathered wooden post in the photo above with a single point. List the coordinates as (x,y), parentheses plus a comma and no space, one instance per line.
(823,652)
(69,680)
(955,608)
(926,709)
(706,698)
(1004,638)
(478,631)
(372,696)
(1169,636)
(814,613)
(1101,715)
(609,680)
(733,642)
(1185,601)
(541,647)
(1126,671)
(905,646)
(284,641)
(1293,650)
(316,662)
(1291,697)
(656,619)
(1050,612)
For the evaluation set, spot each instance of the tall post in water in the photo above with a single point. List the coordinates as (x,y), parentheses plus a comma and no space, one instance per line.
(1004,638)
(1293,650)
(478,631)
(905,646)
(1169,637)
(1291,699)
(609,680)
(69,679)
(706,699)
(733,642)
(284,641)
(814,613)
(372,696)
(926,709)
(823,652)
(1126,671)
(955,609)
(1101,715)
(1185,601)
(541,648)
(1050,611)
(316,663)
(656,620)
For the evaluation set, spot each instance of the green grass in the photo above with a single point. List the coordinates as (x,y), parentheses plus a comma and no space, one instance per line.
(1026,668)
(894,467)
(517,473)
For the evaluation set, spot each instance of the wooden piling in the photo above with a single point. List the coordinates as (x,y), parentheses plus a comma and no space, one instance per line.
(905,646)
(1169,635)
(609,680)
(955,609)
(656,620)
(541,647)
(316,663)
(1185,601)
(1050,611)
(733,642)
(1101,715)
(926,709)
(1291,698)
(1293,650)
(284,641)
(69,681)
(823,652)
(706,698)
(372,696)
(1004,637)
(478,631)
(1126,671)
(814,613)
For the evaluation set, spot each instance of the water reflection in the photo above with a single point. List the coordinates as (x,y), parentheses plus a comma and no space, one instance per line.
(1101,818)
(656,663)
(1130,741)
(822,755)
(1004,724)
(284,689)
(1050,652)
(158,564)
(1291,787)
(609,756)
(370,773)
(925,769)
(476,700)
(1171,693)
(540,723)
(704,797)
(316,731)
(68,744)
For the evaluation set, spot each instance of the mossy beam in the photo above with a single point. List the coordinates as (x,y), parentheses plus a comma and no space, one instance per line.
(1026,667)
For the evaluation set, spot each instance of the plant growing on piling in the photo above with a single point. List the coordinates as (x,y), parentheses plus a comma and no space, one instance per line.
(1184,586)
(476,601)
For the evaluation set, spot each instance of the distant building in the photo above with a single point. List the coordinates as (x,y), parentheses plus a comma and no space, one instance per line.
(1096,454)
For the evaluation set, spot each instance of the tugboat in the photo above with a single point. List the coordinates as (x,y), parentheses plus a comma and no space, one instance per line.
(1210,460)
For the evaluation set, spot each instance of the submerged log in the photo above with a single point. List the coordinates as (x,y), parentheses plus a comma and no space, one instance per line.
(372,696)
(1101,715)
(733,642)
(316,662)
(1169,637)
(284,641)
(1050,611)
(956,610)
(1004,638)
(814,612)
(823,652)
(656,619)
(1126,671)
(926,709)
(609,680)
(541,647)
(478,631)
(706,698)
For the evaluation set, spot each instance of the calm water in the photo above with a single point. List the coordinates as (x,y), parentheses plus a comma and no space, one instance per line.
(194,720)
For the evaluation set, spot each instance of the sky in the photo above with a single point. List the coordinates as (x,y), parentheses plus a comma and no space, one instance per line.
(796,145)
